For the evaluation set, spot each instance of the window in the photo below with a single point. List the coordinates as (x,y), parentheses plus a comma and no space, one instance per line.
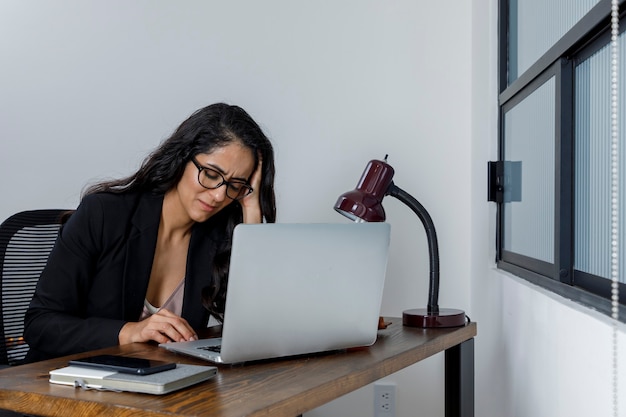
(554,218)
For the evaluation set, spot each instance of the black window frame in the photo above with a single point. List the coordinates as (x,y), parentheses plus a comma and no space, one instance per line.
(587,36)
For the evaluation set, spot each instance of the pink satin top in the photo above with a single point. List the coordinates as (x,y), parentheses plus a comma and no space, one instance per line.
(174,303)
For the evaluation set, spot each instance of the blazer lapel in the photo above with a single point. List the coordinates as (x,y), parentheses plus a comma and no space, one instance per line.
(140,253)
(199,269)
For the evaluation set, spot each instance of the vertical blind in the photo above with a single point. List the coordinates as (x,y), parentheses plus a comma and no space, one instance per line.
(536,25)
(592,195)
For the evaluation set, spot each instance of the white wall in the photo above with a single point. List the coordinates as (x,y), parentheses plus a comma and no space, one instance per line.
(88,88)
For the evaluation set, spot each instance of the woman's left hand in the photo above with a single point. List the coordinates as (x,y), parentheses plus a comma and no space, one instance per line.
(250,204)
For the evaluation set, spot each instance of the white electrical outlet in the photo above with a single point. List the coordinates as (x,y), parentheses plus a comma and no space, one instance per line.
(384,399)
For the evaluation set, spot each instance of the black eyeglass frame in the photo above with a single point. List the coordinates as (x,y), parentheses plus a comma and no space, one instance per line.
(228,184)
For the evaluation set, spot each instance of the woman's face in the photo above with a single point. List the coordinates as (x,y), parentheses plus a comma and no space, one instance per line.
(234,161)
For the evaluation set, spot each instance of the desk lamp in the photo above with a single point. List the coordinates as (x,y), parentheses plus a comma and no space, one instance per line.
(364,204)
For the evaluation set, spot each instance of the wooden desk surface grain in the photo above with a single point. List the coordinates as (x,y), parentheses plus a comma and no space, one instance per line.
(285,387)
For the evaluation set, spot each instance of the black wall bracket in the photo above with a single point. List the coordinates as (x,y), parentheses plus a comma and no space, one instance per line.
(504,181)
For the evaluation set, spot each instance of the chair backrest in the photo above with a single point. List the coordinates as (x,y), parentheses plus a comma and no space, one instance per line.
(26,239)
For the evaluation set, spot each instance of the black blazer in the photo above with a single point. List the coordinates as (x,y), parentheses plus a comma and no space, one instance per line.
(97,275)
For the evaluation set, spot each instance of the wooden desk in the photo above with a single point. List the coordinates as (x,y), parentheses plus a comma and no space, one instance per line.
(286,387)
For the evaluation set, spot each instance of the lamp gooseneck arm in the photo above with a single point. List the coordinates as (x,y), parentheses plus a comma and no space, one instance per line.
(431,236)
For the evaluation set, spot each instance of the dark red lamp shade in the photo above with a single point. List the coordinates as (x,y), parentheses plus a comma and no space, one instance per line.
(364,203)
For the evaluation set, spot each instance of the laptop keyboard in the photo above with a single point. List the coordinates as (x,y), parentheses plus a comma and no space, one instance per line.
(214,348)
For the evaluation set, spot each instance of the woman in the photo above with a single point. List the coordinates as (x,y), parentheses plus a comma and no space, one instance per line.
(145,258)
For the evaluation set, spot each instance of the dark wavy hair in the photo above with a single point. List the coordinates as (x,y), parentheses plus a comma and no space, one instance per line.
(204,131)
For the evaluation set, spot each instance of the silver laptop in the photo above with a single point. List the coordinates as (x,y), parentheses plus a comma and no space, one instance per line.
(298,288)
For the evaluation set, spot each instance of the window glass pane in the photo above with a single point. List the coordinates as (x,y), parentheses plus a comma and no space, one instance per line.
(529,132)
(536,25)
(592,227)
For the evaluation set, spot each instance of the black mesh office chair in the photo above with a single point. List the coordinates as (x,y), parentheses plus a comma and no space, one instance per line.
(26,239)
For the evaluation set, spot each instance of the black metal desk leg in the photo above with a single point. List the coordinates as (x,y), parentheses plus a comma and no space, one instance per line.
(459,385)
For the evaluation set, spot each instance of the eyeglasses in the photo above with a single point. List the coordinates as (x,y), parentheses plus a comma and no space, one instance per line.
(212,179)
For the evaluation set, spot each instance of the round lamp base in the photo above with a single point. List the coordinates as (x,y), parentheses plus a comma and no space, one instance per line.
(445,317)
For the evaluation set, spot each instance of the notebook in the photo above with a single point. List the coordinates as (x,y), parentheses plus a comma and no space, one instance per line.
(159,383)
(298,288)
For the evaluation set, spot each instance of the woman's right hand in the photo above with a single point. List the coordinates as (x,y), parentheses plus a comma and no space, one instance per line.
(162,327)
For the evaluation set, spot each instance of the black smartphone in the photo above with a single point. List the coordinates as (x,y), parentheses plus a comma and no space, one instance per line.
(124,364)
